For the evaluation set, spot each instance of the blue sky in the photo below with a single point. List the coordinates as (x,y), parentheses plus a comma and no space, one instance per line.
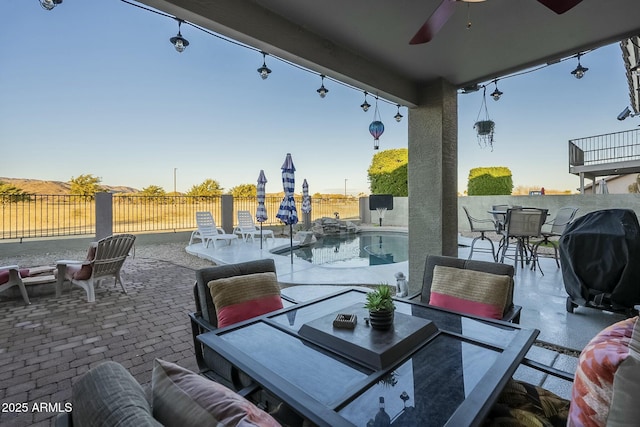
(95,87)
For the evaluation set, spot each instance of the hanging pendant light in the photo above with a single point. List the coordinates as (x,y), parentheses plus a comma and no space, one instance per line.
(264,71)
(376,128)
(322,91)
(398,116)
(365,105)
(496,94)
(578,73)
(179,42)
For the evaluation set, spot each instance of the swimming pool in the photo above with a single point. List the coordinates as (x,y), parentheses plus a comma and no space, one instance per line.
(354,250)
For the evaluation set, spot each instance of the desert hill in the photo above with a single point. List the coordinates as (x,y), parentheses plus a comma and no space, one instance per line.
(37,186)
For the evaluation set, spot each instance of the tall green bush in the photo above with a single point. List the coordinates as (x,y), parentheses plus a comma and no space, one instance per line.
(496,180)
(388,172)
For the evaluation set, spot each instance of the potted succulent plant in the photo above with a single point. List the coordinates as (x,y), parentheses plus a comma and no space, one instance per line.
(381,307)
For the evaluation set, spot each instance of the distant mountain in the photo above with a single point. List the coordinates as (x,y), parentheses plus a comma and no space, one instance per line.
(37,186)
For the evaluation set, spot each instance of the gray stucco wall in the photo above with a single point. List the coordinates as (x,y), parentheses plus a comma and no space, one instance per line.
(479,205)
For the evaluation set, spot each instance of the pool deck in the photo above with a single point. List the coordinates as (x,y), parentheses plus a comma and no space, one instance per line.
(300,272)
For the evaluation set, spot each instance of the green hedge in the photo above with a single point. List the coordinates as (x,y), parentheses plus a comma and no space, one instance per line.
(388,172)
(490,181)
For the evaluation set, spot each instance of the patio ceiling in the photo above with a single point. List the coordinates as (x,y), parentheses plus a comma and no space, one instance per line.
(366,43)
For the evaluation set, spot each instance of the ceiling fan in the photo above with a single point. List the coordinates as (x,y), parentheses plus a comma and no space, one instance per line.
(446,8)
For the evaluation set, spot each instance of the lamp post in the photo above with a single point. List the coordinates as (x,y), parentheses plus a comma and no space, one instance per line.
(345,187)
(174,180)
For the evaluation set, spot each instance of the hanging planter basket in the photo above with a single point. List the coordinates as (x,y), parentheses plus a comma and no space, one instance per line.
(484,127)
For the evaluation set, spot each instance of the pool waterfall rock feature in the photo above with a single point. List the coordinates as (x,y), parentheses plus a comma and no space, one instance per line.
(326,226)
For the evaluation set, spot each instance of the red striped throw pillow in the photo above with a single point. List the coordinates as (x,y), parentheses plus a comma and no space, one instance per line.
(470,291)
(240,298)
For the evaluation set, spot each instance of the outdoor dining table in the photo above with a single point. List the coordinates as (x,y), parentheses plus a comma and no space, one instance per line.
(433,368)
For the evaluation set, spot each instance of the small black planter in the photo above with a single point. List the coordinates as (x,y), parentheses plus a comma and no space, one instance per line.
(381,320)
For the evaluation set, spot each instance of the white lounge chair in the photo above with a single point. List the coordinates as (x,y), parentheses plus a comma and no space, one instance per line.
(247,228)
(105,260)
(208,232)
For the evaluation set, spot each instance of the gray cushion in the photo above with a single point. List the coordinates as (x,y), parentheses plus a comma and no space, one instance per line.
(108,396)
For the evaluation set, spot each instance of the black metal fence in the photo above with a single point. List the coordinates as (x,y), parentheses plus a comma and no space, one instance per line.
(36,216)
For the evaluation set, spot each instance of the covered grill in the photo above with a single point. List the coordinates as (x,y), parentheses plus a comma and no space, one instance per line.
(600,258)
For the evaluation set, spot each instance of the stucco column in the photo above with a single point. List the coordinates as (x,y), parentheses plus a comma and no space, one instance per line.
(104,215)
(226,201)
(433,182)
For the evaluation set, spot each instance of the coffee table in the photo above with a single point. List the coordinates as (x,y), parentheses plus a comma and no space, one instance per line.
(450,377)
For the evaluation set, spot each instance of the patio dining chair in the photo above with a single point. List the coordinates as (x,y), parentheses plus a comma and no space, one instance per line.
(481,226)
(499,216)
(563,217)
(104,261)
(521,225)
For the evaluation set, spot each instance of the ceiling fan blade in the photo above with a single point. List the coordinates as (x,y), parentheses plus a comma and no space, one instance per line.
(560,6)
(435,22)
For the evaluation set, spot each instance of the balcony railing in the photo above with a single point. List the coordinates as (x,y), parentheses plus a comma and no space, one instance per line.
(602,149)
(37,216)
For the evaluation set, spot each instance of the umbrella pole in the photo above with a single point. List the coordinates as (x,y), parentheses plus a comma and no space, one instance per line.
(291,241)
(260,235)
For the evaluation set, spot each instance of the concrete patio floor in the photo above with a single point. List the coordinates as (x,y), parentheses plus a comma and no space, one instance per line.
(46,346)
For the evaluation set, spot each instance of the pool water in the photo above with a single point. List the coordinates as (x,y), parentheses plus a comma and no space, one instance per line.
(355,250)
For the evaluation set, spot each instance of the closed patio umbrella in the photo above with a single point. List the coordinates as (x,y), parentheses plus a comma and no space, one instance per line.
(287,212)
(261,211)
(306,203)
(306,200)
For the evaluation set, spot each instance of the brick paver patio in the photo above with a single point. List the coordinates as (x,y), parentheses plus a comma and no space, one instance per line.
(46,346)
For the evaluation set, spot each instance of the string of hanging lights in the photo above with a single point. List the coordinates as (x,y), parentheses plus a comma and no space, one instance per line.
(180,43)
(578,73)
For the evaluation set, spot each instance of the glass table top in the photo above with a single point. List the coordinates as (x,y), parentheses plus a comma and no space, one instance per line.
(431,383)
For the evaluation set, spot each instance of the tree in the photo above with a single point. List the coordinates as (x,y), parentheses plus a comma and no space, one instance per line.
(153,190)
(208,188)
(11,194)
(388,172)
(244,190)
(85,186)
(490,181)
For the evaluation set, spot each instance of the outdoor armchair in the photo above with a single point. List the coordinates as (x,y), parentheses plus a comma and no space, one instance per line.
(104,261)
(510,312)
(205,318)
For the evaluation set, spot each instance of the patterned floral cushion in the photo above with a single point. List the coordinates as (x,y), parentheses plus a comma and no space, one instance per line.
(607,381)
